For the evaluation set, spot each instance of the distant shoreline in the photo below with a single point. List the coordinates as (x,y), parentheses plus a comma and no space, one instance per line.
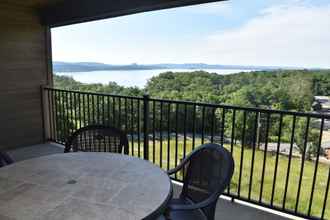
(89,67)
(137,78)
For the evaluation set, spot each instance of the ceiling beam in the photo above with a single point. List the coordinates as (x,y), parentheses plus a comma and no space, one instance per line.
(78,11)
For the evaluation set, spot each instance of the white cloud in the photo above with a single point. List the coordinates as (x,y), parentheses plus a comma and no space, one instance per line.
(295,34)
(292,34)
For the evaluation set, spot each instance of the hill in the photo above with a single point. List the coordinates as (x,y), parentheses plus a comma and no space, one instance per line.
(92,66)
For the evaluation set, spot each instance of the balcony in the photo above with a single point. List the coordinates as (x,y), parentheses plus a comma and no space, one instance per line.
(280,164)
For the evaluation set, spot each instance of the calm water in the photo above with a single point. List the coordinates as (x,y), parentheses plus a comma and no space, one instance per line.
(131,77)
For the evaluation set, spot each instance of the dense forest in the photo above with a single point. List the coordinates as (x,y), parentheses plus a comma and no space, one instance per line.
(282,89)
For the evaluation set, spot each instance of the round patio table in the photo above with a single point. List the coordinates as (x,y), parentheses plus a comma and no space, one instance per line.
(83,186)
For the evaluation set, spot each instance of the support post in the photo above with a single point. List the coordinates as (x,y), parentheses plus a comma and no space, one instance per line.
(146,126)
(45,113)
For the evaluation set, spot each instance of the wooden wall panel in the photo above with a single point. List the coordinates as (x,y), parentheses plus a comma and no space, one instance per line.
(23,69)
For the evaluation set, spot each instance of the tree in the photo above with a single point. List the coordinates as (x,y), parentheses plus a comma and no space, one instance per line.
(307,140)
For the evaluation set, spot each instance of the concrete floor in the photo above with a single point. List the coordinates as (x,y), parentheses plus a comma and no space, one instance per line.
(226,210)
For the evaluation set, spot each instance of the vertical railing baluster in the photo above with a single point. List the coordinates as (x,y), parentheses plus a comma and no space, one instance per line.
(67,115)
(326,196)
(80,112)
(93,109)
(184,136)
(146,127)
(161,135)
(185,131)
(55,115)
(64,119)
(302,164)
(72,127)
(114,111)
(253,152)
(232,139)
(126,115)
(103,109)
(88,109)
(223,118)
(139,127)
(265,157)
(276,159)
(154,131)
(168,135)
(176,136)
(132,126)
(74,110)
(213,120)
(242,155)
(108,111)
(203,123)
(126,120)
(46,113)
(49,115)
(83,109)
(119,113)
(316,167)
(98,121)
(84,116)
(194,127)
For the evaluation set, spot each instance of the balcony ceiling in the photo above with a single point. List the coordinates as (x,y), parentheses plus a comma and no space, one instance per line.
(32,3)
(63,12)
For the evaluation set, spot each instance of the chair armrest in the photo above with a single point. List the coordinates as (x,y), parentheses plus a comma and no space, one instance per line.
(174,170)
(179,167)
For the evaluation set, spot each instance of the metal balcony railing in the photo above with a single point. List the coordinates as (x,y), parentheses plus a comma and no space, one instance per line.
(278,154)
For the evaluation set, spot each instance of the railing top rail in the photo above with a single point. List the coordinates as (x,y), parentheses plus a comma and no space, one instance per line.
(224,106)
(93,93)
(252,109)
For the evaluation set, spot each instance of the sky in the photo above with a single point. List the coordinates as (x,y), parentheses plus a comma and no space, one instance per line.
(293,33)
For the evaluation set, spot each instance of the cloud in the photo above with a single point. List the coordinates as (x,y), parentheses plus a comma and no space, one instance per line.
(294,34)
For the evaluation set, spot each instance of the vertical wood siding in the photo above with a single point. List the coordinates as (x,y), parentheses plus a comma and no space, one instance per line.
(24,67)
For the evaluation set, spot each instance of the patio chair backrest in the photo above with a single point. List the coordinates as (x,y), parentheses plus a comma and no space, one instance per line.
(97,138)
(206,175)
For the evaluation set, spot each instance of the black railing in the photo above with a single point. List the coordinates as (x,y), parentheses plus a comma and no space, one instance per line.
(277,153)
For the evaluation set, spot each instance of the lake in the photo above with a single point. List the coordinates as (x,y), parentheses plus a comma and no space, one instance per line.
(137,78)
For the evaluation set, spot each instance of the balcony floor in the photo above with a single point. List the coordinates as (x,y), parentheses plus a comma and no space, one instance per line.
(226,210)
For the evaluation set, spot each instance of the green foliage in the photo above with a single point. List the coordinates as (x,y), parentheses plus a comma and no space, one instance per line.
(65,82)
(307,140)
(282,89)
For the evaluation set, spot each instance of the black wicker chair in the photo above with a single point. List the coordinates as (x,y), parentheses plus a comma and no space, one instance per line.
(5,159)
(206,172)
(97,138)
